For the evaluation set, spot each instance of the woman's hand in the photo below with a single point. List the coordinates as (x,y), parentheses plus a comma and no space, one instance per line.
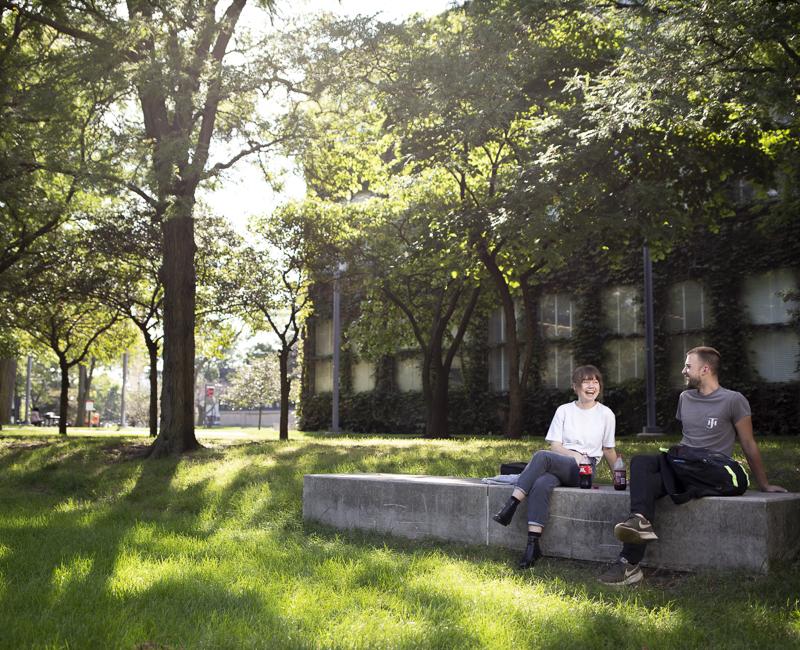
(561,449)
(610,454)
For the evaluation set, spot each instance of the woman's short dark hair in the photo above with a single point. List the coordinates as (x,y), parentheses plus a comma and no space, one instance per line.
(587,372)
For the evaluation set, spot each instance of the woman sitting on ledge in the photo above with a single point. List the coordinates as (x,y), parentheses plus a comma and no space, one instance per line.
(581,431)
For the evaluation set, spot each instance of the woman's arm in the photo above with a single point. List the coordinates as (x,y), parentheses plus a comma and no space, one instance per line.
(561,449)
(610,454)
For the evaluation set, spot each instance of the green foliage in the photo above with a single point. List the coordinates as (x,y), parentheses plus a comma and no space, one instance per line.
(255,383)
(54,103)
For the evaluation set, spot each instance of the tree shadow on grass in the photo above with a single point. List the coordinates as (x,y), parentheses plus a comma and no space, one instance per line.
(45,583)
(71,540)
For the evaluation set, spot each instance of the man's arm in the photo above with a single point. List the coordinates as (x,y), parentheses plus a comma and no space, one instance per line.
(744,428)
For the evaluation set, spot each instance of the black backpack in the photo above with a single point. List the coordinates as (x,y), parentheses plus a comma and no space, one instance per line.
(694,472)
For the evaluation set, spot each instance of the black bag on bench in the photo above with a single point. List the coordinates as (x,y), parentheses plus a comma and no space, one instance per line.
(512,468)
(694,472)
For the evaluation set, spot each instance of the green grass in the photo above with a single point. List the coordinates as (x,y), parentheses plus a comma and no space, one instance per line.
(100,549)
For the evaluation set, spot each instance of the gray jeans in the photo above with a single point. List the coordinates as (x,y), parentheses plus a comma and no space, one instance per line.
(546,470)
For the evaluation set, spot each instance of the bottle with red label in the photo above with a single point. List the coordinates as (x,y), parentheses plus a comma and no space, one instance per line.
(585,473)
(620,476)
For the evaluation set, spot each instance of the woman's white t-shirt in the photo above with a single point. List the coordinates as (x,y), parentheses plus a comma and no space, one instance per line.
(586,431)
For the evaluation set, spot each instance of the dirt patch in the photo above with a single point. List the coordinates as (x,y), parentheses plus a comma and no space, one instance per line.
(119,452)
(24,444)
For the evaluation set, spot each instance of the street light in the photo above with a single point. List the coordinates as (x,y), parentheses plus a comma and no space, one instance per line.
(337,343)
(651,427)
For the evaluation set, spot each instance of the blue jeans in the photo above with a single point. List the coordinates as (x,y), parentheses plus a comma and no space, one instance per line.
(545,471)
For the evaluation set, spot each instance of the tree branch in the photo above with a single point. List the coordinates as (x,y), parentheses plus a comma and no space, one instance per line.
(793,55)
(61,28)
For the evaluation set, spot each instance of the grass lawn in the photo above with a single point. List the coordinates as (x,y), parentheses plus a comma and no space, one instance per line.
(100,549)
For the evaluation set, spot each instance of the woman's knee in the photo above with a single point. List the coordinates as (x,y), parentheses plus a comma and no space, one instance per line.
(541,458)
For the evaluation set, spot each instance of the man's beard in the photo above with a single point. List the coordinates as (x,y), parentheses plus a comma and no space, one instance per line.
(692,382)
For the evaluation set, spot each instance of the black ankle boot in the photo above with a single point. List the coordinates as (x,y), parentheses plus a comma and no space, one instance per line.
(506,514)
(532,553)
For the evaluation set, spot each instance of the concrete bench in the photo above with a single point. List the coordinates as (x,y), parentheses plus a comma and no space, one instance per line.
(750,532)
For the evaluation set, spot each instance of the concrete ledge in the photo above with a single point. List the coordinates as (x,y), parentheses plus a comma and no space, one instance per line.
(750,532)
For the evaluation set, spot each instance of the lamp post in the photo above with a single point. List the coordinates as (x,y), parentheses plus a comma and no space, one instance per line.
(337,343)
(122,414)
(28,371)
(651,427)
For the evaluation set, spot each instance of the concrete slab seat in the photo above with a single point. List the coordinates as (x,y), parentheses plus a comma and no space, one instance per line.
(750,532)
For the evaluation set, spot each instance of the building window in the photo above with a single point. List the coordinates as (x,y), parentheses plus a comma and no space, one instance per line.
(456,376)
(556,314)
(497,327)
(687,307)
(680,344)
(625,359)
(762,297)
(622,314)
(324,337)
(622,310)
(498,368)
(774,355)
(323,376)
(363,374)
(559,364)
(498,353)
(409,374)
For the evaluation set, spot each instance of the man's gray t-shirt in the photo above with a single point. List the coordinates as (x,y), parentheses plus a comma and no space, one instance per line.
(708,420)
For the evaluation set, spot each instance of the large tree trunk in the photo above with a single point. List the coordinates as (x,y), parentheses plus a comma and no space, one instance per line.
(8,373)
(286,384)
(176,433)
(63,404)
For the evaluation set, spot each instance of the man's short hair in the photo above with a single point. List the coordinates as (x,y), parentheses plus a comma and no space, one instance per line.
(709,356)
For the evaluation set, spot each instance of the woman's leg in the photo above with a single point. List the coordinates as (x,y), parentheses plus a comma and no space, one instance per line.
(533,470)
(560,470)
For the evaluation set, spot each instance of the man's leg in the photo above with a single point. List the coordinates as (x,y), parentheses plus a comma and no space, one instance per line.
(646,487)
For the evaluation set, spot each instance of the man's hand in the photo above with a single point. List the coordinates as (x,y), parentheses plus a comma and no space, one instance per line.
(773,488)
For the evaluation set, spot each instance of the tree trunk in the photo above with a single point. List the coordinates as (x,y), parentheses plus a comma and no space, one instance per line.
(80,412)
(177,433)
(152,353)
(88,388)
(513,424)
(286,385)
(8,373)
(63,404)
(438,408)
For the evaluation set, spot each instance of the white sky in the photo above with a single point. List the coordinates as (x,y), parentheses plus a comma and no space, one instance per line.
(244,192)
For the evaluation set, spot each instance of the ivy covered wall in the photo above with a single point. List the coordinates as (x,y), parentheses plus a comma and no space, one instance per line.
(721,260)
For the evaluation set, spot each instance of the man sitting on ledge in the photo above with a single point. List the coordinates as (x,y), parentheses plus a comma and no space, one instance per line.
(711,418)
